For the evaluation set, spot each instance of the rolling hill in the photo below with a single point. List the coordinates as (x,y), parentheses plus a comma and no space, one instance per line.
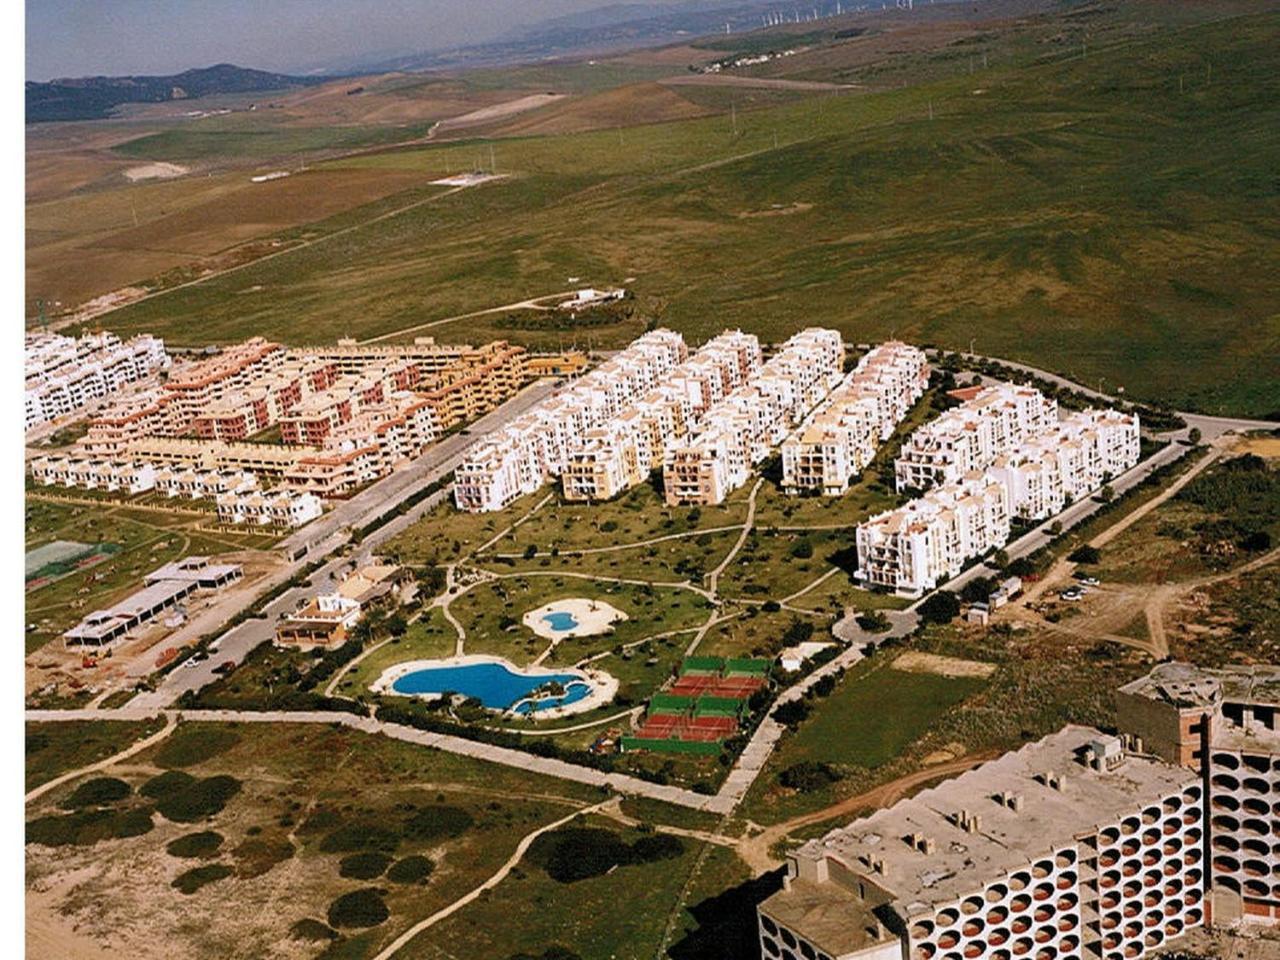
(94,98)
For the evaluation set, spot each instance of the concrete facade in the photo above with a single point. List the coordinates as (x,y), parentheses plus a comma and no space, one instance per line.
(1071,847)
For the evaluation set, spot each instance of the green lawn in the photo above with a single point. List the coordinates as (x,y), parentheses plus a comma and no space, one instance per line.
(1107,217)
(871,717)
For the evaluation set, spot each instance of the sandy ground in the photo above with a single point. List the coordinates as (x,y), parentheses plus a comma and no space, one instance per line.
(1266,447)
(594,617)
(917,662)
(499,111)
(155,171)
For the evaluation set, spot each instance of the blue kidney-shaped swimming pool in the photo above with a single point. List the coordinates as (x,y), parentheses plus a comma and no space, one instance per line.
(495,685)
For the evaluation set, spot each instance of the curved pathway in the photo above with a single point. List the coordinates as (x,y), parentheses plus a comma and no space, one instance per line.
(399,942)
(170,725)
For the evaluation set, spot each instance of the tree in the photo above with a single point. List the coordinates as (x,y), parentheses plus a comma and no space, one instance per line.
(531,551)
(1001,559)
(397,625)
(1194,435)
(941,606)
(792,713)
(1055,528)
(977,590)
(802,549)
(1106,494)
(1085,554)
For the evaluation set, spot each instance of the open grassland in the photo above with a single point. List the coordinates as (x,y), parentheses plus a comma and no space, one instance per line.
(281,821)
(52,749)
(1105,217)
(141,540)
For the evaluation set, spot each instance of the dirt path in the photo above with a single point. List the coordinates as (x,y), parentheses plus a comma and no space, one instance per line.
(170,724)
(529,304)
(754,850)
(1129,519)
(399,942)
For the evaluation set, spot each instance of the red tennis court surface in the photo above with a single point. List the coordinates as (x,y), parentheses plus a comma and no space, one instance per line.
(707,729)
(692,685)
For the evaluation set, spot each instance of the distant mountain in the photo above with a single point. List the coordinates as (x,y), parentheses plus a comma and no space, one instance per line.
(613,27)
(93,98)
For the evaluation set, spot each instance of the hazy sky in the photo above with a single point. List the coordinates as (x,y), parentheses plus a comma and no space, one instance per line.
(72,38)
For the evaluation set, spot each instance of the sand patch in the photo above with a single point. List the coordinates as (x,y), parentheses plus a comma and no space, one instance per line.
(1266,447)
(778,210)
(952,751)
(155,171)
(917,662)
(572,617)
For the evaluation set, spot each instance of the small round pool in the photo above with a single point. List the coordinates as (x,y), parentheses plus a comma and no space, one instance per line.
(560,621)
(495,685)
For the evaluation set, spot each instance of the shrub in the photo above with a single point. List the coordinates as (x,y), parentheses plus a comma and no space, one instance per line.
(553,952)
(792,713)
(802,549)
(658,846)
(359,908)
(199,800)
(313,931)
(197,877)
(1084,554)
(941,606)
(98,792)
(874,622)
(166,784)
(195,845)
(87,827)
(256,855)
(771,606)
(1256,541)
(360,837)
(437,822)
(808,776)
(191,746)
(977,590)
(576,853)
(363,866)
(415,869)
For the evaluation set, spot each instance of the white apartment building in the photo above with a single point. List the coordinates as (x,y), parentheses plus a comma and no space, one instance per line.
(622,453)
(1070,460)
(744,427)
(64,375)
(839,439)
(991,422)
(521,457)
(281,507)
(912,549)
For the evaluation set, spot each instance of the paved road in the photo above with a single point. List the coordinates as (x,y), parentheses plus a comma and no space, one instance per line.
(1074,515)
(236,643)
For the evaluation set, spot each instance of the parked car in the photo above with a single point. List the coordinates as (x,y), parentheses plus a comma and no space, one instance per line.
(1088,580)
(225,667)
(1071,593)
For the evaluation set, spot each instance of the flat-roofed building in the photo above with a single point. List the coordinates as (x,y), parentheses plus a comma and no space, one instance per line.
(521,457)
(324,623)
(1070,847)
(623,452)
(839,439)
(282,507)
(991,422)
(743,428)
(1067,461)
(163,589)
(1225,724)
(64,375)
(912,549)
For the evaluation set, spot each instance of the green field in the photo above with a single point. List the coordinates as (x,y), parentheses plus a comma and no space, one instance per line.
(1103,217)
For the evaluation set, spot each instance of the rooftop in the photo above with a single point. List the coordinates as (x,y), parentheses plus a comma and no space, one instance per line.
(1185,685)
(1050,817)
